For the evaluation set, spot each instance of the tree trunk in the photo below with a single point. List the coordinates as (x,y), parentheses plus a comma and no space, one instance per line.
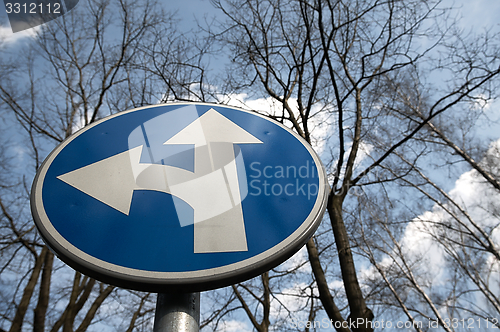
(360,315)
(43,295)
(17,322)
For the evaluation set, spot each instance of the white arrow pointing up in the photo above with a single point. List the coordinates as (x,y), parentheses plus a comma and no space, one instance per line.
(212,190)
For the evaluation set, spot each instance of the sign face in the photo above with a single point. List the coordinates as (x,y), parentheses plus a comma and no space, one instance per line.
(184,197)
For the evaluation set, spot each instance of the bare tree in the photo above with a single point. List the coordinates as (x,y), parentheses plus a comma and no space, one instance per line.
(459,230)
(101,58)
(351,79)
(333,62)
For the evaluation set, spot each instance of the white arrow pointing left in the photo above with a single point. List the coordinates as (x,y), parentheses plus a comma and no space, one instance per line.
(212,190)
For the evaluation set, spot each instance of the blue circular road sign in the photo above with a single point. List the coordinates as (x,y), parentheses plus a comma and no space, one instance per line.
(187,196)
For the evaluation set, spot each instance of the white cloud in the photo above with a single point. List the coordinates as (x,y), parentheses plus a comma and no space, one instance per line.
(292,300)
(234,326)
(7,37)
(299,258)
(481,102)
(420,245)
(319,124)
(336,284)
(427,258)
(473,194)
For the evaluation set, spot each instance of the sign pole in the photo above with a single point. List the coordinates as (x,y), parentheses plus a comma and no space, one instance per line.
(177,312)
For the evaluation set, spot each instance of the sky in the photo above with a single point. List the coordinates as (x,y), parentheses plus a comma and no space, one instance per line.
(188,12)
(476,15)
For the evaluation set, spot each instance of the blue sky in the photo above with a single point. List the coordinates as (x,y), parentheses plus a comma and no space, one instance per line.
(187,10)
(475,15)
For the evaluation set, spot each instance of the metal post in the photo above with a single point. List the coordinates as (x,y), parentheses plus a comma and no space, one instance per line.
(177,312)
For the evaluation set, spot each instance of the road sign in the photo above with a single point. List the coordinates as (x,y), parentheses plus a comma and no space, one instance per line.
(187,196)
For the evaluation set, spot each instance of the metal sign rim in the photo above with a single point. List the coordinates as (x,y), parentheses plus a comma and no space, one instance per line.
(198,280)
